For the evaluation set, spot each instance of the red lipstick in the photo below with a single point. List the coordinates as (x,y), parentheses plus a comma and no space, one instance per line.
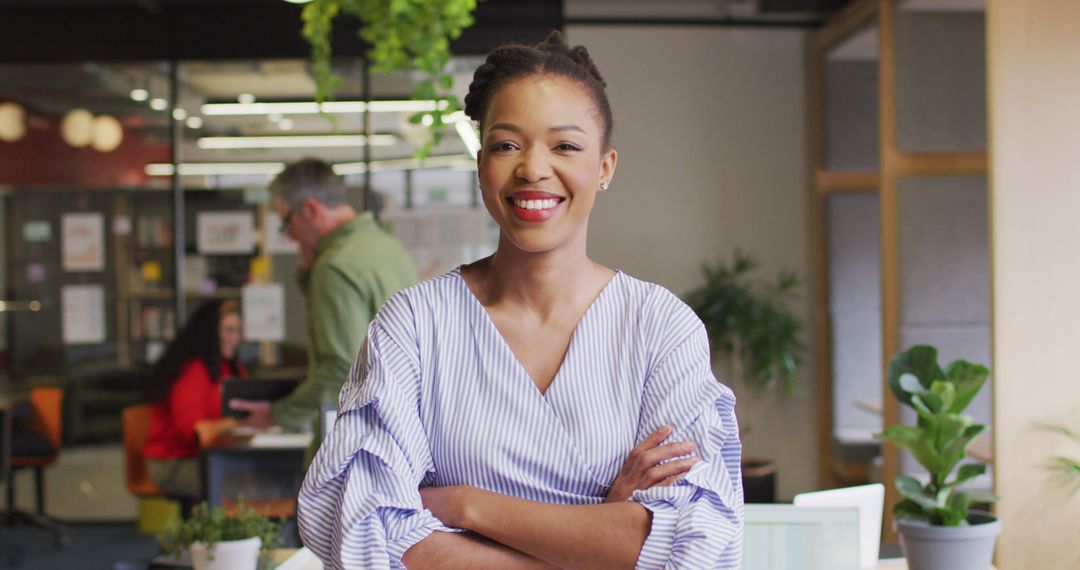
(533,214)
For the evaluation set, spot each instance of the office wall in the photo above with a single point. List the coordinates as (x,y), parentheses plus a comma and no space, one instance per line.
(1034,53)
(710,125)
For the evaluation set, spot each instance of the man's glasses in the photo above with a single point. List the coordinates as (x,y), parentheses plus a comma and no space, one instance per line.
(284,227)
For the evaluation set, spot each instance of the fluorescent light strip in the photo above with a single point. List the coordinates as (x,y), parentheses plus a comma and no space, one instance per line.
(453,161)
(298,141)
(468,136)
(215,168)
(313,108)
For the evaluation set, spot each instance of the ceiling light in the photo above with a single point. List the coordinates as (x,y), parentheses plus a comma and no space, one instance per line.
(77,128)
(293,141)
(453,161)
(407,106)
(139,94)
(285,124)
(194,122)
(468,136)
(245,98)
(179,113)
(298,1)
(214,168)
(107,134)
(313,108)
(158,104)
(12,121)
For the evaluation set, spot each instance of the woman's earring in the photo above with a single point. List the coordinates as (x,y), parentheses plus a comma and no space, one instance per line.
(603,185)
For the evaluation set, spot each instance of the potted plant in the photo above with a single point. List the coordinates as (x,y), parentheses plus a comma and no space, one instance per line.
(750,323)
(938,528)
(218,540)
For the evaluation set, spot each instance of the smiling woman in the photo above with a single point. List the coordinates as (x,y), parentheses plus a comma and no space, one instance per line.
(563,413)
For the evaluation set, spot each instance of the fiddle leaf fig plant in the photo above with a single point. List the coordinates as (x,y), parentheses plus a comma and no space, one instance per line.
(402,35)
(750,321)
(940,437)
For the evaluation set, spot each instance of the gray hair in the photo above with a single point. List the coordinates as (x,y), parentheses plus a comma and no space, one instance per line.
(309,178)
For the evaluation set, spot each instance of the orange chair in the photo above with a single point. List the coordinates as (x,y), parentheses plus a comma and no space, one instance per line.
(38,447)
(135,420)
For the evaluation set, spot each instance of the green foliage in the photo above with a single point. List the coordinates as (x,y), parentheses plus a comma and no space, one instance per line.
(402,35)
(940,437)
(1066,469)
(750,321)
(210,526)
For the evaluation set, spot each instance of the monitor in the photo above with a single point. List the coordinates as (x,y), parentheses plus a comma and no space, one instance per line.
(254,389)
(869,499)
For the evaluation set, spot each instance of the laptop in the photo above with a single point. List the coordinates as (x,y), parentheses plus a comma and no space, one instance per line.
(869,499)
(254,389)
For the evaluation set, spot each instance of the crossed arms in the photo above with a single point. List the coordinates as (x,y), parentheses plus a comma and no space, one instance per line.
(508,532)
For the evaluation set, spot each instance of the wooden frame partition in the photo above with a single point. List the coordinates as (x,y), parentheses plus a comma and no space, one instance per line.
(894,165)
(827,182)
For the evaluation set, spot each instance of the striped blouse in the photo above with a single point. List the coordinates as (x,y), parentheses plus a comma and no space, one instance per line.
(436,398)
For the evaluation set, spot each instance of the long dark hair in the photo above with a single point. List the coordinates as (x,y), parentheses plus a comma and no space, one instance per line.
(198,339)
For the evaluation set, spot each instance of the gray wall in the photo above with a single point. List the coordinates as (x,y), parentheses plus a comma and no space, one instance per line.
(855,311)
(710,126)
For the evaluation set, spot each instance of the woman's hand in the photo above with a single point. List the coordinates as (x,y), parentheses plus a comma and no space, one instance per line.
(642,468)
(450,504)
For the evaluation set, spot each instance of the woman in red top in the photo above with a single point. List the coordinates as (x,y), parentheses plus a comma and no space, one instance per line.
(186,388)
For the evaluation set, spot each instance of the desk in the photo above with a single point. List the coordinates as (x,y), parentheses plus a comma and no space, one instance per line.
(265,468)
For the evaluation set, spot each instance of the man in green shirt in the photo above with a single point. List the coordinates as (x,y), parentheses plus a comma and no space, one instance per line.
(348,267)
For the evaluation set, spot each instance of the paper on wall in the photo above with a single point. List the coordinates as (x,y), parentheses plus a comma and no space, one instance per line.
(83,314)
(225,232)
(83,241)
(264,311)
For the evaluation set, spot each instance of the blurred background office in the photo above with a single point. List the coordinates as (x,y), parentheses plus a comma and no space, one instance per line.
(847,141)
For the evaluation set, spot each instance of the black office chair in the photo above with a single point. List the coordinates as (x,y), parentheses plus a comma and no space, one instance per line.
(35,442)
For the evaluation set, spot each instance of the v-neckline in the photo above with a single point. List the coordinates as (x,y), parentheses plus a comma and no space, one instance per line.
(506,345)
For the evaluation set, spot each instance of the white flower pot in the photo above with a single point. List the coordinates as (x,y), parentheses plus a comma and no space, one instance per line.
(227,555)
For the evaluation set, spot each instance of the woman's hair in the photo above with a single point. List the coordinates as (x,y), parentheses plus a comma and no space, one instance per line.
(198,339)
(549,57)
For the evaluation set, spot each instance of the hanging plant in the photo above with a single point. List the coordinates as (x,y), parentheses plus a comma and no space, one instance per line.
(403,35)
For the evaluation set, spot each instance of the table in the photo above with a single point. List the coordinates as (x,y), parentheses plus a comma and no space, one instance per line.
(266,469)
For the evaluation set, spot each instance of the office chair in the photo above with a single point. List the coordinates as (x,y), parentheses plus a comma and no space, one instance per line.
(38,446)
(135,426)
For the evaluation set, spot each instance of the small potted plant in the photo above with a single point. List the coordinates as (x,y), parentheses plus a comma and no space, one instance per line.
(750,322)
(218,540)
(938,528)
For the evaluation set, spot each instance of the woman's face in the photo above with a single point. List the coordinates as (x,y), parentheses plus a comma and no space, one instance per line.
(229,334)
(542,162)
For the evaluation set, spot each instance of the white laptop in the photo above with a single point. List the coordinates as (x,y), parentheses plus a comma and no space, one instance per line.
(869,499)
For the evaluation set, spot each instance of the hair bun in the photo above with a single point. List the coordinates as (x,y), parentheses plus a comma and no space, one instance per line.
(552,56)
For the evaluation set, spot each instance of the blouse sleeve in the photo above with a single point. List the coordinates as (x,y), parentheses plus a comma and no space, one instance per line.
(698,521)
(359,506)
